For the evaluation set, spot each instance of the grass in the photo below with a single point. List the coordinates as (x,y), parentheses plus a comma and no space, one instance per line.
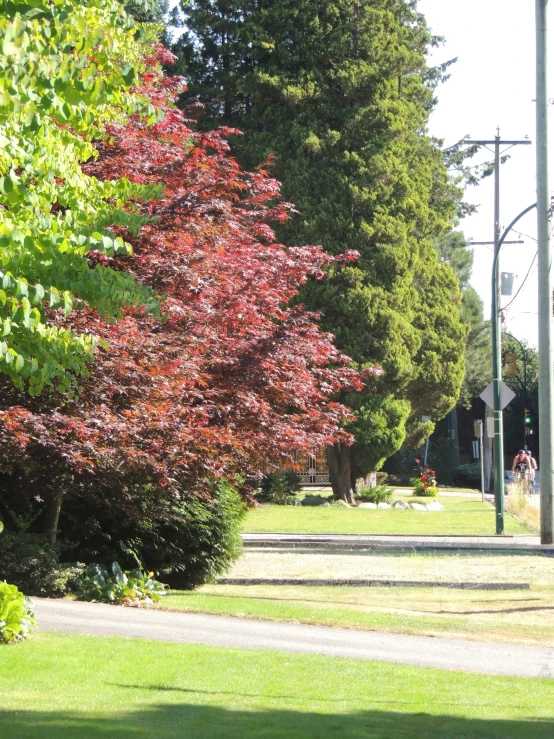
(462,515)
(524,617)
(320,564)
(519,504)
(76,687)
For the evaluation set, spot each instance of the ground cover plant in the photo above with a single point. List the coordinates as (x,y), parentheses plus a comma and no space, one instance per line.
(465,515)
(74,686)
(16,614)
(97,585)
(516,616)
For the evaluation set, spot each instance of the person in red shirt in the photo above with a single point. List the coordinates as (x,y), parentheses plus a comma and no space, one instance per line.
(521,464)
(532,466)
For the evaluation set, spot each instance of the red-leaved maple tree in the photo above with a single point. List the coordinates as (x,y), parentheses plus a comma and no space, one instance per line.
(235,377)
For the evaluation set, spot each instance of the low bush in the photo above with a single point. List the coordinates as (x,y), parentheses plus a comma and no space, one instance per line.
(400,479)
(280,487)
(315,500)
(97,585)
(468,475)
(32,563)
(378,494)
(185,542)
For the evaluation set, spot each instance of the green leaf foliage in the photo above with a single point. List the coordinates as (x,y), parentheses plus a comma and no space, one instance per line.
(16,614)
(65,76)
(453,251)
(96,584)
(341,93)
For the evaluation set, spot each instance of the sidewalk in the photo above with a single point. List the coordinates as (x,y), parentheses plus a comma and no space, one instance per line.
(395,542)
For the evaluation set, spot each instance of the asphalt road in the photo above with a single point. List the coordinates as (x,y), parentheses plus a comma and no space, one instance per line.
(221,631)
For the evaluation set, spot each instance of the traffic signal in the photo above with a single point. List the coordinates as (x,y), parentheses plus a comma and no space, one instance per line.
(527,416)
(510,364)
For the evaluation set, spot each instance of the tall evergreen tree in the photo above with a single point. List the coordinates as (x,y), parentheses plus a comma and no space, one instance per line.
(340,92)
(453,250)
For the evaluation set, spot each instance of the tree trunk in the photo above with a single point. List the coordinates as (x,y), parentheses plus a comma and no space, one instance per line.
(52,517)
(339,459)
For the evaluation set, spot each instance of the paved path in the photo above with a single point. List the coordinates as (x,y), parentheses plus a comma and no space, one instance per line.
(452,654)
(396,541)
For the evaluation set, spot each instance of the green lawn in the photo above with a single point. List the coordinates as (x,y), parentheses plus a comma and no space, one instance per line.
(70,687)
(524,616)
(461,515)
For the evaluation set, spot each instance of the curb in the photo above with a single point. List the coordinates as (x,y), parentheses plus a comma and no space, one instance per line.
(374,583)
(386,547)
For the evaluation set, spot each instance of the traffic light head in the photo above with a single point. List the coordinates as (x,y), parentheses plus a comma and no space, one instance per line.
(527,416)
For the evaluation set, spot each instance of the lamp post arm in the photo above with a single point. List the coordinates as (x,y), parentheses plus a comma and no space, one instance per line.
(497,380)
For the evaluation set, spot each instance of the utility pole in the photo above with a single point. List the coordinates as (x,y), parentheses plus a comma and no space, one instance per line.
(496,332)
(546,353)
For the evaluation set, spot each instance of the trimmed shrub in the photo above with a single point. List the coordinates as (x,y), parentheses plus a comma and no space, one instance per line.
(185,542)
(469,475)
(315,500)
(280,487)
(32,563)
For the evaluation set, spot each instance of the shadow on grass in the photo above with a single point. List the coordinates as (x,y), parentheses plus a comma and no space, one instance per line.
(188,720)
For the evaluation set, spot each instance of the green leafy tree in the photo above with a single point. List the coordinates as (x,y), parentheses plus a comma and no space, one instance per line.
(525,405)
(453,251)
(340,92)
(67,70)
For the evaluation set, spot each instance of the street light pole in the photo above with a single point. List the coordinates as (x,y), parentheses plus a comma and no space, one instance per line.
(497,378)
(546,338)
(498,446)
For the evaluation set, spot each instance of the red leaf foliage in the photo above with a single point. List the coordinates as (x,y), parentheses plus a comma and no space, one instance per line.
(236,376)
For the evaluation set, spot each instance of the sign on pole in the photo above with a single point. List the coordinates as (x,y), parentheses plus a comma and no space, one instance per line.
(478,447)
(506,395)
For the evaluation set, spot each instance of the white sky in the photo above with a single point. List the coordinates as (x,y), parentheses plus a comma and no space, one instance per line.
(493,84)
